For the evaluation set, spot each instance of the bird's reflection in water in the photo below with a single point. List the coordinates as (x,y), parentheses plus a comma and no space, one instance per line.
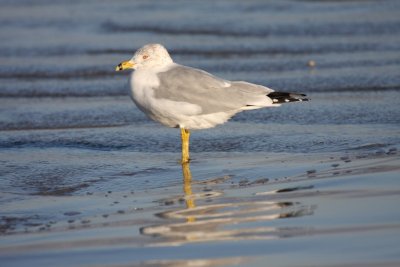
(228,218)
(187,189)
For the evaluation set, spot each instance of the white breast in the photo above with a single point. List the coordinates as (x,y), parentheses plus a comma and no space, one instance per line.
(165,111)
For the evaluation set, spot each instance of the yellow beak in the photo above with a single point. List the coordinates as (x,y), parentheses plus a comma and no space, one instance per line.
(125,65)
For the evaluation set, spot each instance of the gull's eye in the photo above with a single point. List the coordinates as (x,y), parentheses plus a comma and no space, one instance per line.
(145,56)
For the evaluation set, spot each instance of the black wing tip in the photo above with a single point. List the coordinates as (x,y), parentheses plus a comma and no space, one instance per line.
(284,97)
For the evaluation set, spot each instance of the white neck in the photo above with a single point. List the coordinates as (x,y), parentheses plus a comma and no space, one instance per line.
(156,68)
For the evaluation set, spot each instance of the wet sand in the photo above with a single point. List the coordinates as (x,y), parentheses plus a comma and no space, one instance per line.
(88,180)
(237,209)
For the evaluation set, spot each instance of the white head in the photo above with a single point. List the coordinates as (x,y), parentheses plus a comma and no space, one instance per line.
(149,56)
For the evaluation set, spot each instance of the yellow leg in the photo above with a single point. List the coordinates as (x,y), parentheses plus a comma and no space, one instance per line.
(185,134)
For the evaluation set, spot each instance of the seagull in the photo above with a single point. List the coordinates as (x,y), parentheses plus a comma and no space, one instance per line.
(188,98)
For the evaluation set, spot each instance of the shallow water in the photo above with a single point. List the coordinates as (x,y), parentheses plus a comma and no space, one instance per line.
(88,180)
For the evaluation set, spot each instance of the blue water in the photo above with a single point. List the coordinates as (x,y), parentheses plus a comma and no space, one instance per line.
(70,135)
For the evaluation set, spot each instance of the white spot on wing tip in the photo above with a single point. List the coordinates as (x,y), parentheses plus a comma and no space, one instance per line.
(287,100)
(274,100)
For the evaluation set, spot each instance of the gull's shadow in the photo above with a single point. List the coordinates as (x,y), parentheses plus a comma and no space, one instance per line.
(226,218)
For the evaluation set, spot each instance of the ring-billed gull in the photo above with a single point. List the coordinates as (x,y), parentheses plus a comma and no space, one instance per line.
(188,98)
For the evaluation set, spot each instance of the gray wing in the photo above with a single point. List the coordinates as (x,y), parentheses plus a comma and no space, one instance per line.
(212,94)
